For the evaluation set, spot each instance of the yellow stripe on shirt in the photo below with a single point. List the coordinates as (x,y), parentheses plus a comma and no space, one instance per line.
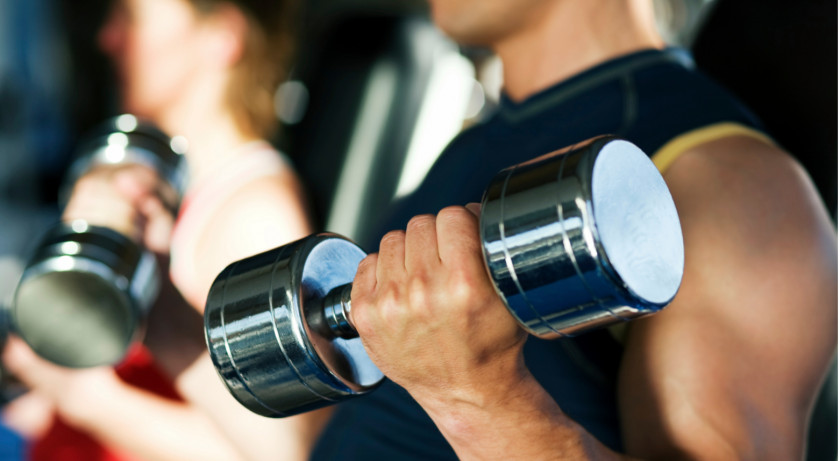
(667,154)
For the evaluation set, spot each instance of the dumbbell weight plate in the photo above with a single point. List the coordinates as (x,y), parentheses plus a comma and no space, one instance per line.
(83,294)
(272,348)
(592,228)
(125,139)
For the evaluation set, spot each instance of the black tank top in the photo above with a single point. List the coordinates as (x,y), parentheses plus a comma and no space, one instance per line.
(650,98)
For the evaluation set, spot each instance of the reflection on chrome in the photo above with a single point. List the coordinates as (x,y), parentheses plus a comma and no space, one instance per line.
(583,238)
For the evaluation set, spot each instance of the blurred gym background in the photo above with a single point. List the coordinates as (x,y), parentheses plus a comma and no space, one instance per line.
(377,92)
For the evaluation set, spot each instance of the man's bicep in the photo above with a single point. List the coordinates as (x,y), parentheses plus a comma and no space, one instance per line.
(729,369)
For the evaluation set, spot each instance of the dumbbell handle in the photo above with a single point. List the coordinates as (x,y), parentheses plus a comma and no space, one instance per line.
(337,312)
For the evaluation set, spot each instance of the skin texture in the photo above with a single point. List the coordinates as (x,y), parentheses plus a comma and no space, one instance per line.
(542,42)
(175,67)
(729,370)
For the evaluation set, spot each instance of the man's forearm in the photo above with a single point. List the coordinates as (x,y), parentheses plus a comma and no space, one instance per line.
(522,423)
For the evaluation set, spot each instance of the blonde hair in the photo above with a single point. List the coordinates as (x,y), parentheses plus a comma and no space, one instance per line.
(267,54)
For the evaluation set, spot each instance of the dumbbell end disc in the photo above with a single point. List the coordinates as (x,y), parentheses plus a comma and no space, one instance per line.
(637,224)
(266,334)
(582,238)
(74,318)
(82,297)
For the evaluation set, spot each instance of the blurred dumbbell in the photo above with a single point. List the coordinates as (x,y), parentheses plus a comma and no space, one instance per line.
(578,239)
(10,387)
(85,291)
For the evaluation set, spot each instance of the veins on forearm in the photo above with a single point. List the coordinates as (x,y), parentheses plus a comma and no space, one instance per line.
(523,423)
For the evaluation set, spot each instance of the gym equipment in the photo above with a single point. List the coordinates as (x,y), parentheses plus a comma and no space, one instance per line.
(578,239)
(84,293)
(10,387)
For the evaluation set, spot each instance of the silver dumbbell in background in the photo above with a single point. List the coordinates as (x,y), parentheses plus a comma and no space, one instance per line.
(575,240)
(85,291)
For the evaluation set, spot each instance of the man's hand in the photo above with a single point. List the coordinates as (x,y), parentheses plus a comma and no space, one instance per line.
(430,317)
(431,320)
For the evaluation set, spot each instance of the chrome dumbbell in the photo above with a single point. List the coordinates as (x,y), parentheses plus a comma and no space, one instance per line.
(86,289)
(578,239)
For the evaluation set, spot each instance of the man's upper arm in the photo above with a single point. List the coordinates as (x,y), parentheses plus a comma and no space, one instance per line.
(731,367)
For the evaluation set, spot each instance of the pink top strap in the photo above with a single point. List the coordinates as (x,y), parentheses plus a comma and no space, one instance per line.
(200,203)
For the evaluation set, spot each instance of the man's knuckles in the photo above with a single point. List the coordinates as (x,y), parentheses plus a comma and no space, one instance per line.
(421,224)
(391,241)
(457,219)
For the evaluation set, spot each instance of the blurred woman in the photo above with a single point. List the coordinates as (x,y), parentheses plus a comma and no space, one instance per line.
(205,70)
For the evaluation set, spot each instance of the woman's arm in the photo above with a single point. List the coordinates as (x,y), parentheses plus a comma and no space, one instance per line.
(124,418)
(262,215)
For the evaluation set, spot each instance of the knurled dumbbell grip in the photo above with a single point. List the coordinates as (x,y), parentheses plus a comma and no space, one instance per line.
(337,312)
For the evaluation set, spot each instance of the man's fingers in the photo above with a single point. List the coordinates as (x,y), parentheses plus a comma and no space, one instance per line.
(364,284)
(391,261)
(458,235)
(421,247)
(365,280)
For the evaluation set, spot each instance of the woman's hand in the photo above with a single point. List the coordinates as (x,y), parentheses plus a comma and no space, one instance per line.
(129,199)
(75,394)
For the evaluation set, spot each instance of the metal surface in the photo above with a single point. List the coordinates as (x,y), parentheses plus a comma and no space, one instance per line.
(267,334)
(85,292)
(125,139)
(582,238)
(336,309)
(83,295)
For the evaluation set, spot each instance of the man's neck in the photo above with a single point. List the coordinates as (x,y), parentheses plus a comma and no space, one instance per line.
(571,37)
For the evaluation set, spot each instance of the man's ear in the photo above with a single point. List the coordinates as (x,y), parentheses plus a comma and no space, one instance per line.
(226,34)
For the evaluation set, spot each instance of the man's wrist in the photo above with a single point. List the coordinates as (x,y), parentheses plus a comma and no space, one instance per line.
(466,413)
(520,421)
